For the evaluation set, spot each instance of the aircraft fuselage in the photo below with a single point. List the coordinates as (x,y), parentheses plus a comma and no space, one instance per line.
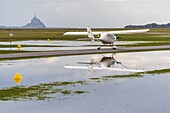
(107,39)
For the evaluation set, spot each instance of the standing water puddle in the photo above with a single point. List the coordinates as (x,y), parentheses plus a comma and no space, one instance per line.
(73,84)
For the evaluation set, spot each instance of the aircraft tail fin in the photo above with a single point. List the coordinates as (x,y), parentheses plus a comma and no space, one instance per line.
(90,34)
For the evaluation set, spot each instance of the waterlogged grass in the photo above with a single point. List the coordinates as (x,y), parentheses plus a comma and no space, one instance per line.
(37,34)
(45,91)
(57,34)
(30,34)
(40,92)
(161,36)
(163,71)
(135,75)
(139,74)
(15,46)
(143,37)
(161,43)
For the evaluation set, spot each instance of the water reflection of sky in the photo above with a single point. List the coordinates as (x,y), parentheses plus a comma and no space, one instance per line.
(50,48)
(147,94)
(61,43)
(51,69)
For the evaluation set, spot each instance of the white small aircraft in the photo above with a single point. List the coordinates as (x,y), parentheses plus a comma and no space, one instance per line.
(105,37)
(104,63)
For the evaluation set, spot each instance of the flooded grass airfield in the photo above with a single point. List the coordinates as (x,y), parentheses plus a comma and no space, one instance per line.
(58,45)
(86,84)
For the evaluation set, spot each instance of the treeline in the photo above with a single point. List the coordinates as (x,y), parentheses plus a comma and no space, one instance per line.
(153,25)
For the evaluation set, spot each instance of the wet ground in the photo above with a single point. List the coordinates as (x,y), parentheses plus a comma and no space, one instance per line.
(53,87)
(71,45)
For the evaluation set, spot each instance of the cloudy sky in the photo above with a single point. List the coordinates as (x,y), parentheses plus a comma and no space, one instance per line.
(82,13)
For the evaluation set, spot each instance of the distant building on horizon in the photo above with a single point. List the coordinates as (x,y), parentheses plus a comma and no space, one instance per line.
(35,23)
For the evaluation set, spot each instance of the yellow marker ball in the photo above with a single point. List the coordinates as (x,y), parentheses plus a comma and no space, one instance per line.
(19,46)
(48,40)
(17,78)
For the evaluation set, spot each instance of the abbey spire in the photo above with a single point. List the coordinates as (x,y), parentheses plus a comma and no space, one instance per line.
(35,15)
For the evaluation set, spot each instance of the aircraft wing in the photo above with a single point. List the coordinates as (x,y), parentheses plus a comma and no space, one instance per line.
(109,32)
(127,31)
(125,70)
(99,68)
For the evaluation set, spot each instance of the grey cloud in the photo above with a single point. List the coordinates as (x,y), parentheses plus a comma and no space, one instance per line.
(80,13)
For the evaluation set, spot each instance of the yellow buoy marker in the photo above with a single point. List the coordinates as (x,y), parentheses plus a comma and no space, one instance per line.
(19,47)
(17,78)
(48,40)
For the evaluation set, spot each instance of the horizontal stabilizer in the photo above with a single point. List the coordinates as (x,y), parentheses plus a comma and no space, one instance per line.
(84,39)
(87,63)
(87,39)
(80,33)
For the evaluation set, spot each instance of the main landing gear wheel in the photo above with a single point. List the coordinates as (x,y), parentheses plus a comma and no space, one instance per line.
(99,48)
(114,48)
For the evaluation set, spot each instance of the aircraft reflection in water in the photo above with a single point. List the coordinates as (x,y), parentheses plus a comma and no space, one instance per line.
(17,78)
(104,63)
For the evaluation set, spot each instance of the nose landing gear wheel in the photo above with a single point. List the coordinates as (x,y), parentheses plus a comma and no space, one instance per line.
(114,47)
